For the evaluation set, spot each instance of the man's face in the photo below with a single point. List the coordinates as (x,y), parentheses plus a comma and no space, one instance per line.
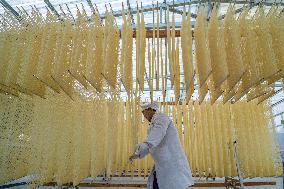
(148,114)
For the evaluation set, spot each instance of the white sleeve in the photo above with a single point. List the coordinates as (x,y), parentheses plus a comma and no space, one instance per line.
(142,150)
(157,132)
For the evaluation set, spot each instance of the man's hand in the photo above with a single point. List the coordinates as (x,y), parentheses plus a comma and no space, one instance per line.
(140,151)
(132,157)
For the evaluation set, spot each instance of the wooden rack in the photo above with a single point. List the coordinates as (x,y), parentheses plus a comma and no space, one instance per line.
(205,184)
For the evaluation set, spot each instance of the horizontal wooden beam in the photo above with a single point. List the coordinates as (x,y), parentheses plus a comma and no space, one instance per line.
(162,33)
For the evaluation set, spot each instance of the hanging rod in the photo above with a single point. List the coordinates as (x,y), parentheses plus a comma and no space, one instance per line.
(11,9)
(47,2)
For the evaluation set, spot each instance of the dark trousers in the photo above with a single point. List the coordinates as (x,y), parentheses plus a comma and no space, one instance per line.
(155,183)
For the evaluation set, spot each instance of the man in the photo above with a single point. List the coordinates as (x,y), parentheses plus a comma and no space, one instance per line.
(171,169)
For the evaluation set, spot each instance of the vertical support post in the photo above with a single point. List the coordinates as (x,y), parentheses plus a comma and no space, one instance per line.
(238,165)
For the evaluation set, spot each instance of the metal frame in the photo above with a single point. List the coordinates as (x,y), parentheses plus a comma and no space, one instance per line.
(47,2)
(7,6)
(173,5)
(277,103)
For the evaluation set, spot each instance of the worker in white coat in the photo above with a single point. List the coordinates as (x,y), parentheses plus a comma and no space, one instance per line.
(171,169)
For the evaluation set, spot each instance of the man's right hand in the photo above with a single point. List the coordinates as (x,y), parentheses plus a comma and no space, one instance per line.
(133,157)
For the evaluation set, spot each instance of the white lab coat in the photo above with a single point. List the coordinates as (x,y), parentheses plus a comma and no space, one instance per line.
(171,165)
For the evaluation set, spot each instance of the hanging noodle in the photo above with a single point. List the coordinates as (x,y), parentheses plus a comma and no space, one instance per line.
(233,50)
(203,66)
(186,45)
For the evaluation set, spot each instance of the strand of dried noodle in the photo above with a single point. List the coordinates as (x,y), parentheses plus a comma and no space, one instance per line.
(186,45)
(233,51)
(177,73)
(142,52)
(217,56)
(169,45)
(265,55)
(46,61)
(203,65)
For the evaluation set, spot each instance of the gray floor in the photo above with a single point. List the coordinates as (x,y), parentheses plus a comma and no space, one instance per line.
(278,180)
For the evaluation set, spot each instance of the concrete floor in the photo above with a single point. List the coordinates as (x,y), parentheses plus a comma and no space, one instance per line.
(278,180)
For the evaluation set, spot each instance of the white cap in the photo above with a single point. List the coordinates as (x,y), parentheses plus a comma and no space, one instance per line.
(152,105)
